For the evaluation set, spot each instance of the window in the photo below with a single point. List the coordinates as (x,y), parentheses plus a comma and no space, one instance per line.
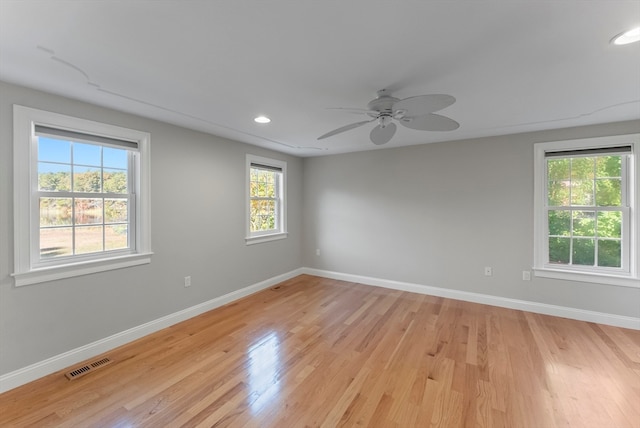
(586,202)
(266,208)
(81,196)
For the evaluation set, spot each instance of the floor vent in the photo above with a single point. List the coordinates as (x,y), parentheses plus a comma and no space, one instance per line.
(81,371)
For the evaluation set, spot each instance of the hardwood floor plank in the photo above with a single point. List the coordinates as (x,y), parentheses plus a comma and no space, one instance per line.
(313,352)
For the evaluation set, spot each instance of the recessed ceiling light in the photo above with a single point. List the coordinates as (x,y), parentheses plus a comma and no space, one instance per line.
(262,119)
(627,37)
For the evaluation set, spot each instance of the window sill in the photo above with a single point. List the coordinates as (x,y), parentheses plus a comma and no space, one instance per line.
(250,240)
(77,269)
(598,278)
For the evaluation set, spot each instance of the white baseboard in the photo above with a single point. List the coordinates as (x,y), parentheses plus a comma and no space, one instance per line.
(35,371)
(504,302)
(50,365)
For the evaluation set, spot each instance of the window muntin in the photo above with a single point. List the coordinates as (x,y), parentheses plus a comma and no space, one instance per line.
(73,175)
(266,180)
(586,202)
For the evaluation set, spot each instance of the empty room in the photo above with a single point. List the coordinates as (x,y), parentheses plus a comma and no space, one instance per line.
(317,213)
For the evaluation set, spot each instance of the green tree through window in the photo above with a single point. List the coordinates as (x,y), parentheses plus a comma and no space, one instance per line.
(585,207)
(266,199)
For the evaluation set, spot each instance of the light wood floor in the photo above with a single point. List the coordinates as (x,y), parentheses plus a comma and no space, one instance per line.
(317,352)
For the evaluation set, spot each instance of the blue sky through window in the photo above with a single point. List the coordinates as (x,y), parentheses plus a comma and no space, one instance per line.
(114,158)
(56,150)
(52,150)
(86,154)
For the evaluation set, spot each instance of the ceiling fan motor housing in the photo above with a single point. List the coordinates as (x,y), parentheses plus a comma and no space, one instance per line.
(383,104)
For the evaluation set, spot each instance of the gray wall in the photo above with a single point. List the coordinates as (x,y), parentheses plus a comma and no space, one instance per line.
(198,207)
(436,214)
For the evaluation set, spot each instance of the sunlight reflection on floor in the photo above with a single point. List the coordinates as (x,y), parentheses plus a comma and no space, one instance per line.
(264,366)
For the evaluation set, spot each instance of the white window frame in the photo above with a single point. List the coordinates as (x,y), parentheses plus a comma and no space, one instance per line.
(281,210)
(626,276)
(27,267)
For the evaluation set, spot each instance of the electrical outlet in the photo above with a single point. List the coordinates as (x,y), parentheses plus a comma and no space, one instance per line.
(526,275)
(488,271)
(317,251)
(187,281)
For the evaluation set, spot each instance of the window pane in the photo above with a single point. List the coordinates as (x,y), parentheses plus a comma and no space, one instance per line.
(558,193)
(271,188)
(560,223)
(262,185)
(54,177)
(86,179)
(55,212)
(55,242)
(52,150)
(609,224)
(582,168)
(608,166)
(88,211)
(584,223)
(115,181)
(609,253)
(559,169)
(608,192)
(582,192)
(584,251)
(559,250)
(256,183)
(253,188)
(116,237)
(114,158)
(87,154)
(254,218)
(88,239)
(115,210)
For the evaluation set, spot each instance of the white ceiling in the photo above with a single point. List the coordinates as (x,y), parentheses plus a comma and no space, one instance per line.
(513,66)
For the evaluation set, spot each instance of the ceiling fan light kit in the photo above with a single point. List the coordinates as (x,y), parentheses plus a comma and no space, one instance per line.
(413,112)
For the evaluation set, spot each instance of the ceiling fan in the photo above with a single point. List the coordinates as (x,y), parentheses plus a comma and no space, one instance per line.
(413,112)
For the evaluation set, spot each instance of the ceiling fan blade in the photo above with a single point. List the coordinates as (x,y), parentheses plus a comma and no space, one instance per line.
(380,135)
(422,104)
(430,122)
(344,128)
(355,110)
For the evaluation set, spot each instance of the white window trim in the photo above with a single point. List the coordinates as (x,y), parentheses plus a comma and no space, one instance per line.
(24,121)
(630,279)
(260,237)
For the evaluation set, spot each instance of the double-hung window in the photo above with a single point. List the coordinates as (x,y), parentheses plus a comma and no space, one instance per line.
(587,210)
(266,208)
(81,196)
